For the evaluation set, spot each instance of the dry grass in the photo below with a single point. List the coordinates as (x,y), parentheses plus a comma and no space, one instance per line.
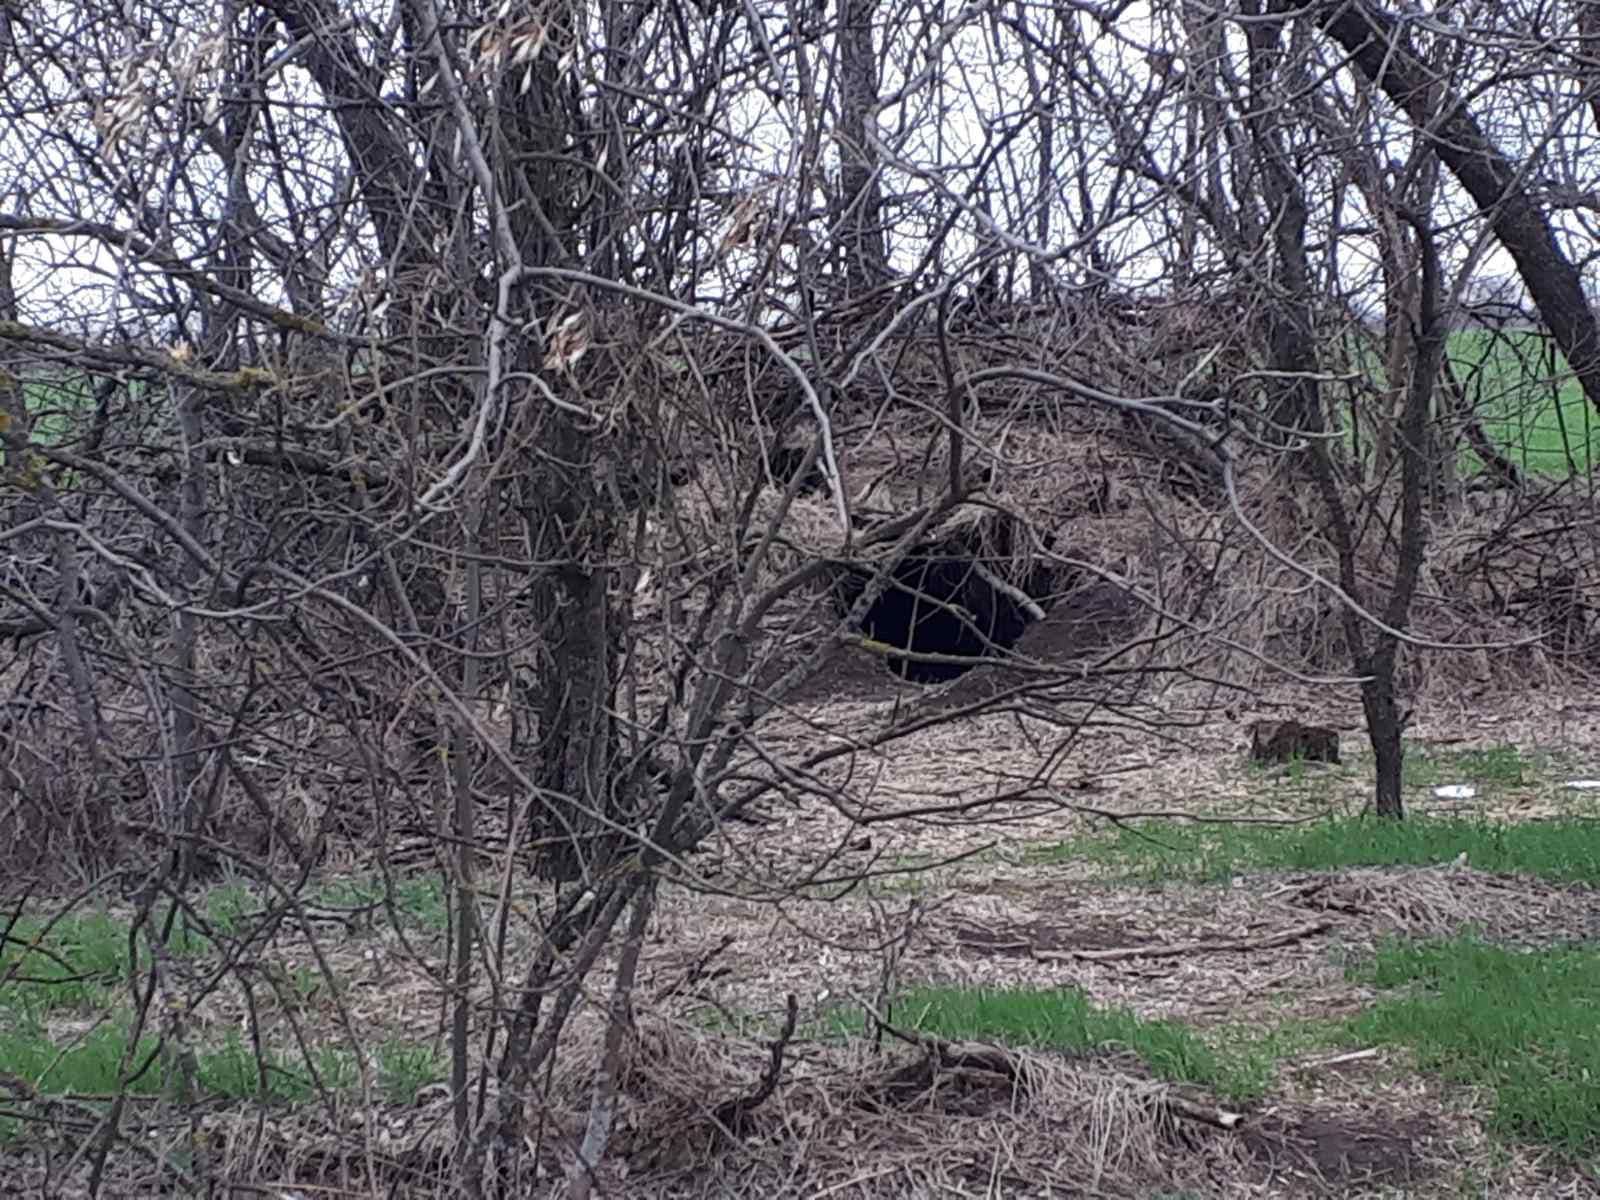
(849,1120)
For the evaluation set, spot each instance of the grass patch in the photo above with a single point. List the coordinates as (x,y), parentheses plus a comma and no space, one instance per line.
(1062,1019)
(1494,766)
(84,1064)
(227,907)
(1566,851)
(89,1065)
(405,1069)
(232,1070)
(66,964)
(419,899)
(74,961)
(66,1021)
(1526,1026)
(1530,406)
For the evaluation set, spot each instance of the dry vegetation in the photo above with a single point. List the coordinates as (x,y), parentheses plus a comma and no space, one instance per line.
(878,1116)
(887,836)
(570,573)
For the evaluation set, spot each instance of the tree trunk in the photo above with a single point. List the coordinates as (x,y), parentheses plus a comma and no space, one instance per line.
(860,201)
(1384,720)
(1294,354)
(574,813)
(578,752)
(1384,727)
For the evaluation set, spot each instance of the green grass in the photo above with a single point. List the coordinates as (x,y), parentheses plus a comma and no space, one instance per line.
(404,1070)
(88,1065)
(74,962)
(227,906)
(85,1063)
(1494,766)
(1566,851)
(1525,1026)
(1528,404)
(420,899)
(1530,407)
(1062,1019)
(232,1070)
(66,1020)
(69,964)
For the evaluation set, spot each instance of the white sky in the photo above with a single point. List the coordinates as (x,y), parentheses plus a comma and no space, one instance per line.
(978,81)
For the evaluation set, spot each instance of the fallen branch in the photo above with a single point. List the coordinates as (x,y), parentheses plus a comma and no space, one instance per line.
(1207,1114)
(1339,1060)
(985,1056)
(1174,949)
(951,1055)
(1299,890)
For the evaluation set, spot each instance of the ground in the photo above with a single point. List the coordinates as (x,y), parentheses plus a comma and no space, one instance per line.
(1259,951)
(1253,965)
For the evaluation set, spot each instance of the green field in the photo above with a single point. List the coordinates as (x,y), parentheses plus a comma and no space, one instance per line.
(1519,385)
(1515,382)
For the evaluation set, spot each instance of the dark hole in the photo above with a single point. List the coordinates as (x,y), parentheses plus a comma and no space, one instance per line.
(937,605)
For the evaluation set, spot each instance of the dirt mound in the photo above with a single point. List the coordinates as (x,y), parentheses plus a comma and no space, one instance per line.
(1091,620)
(1335,1150)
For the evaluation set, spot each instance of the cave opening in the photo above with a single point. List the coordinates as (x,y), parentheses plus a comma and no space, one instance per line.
(942,604)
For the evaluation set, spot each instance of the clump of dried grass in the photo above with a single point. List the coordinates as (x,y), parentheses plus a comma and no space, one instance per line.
(897,1122)
(846,1119)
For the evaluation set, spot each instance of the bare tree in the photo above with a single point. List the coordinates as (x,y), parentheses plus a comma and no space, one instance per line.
(859,210)
(407,359)
(475,437)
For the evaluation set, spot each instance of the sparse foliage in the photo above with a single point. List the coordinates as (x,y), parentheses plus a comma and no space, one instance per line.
(476,438)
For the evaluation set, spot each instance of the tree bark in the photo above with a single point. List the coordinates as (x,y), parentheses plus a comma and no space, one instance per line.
(860,201)
(1383,730)
(386,174)
(573,528)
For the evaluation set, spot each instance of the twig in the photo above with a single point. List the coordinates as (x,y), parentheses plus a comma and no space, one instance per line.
(695,973)
(1208,1114)
(731,1114)
(1013,593)
(603,1103)
(1299,889)
(1173,949)
(952,1055)
(1338,1060)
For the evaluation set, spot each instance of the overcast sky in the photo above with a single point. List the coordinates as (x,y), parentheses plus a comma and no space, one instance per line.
(975,92)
